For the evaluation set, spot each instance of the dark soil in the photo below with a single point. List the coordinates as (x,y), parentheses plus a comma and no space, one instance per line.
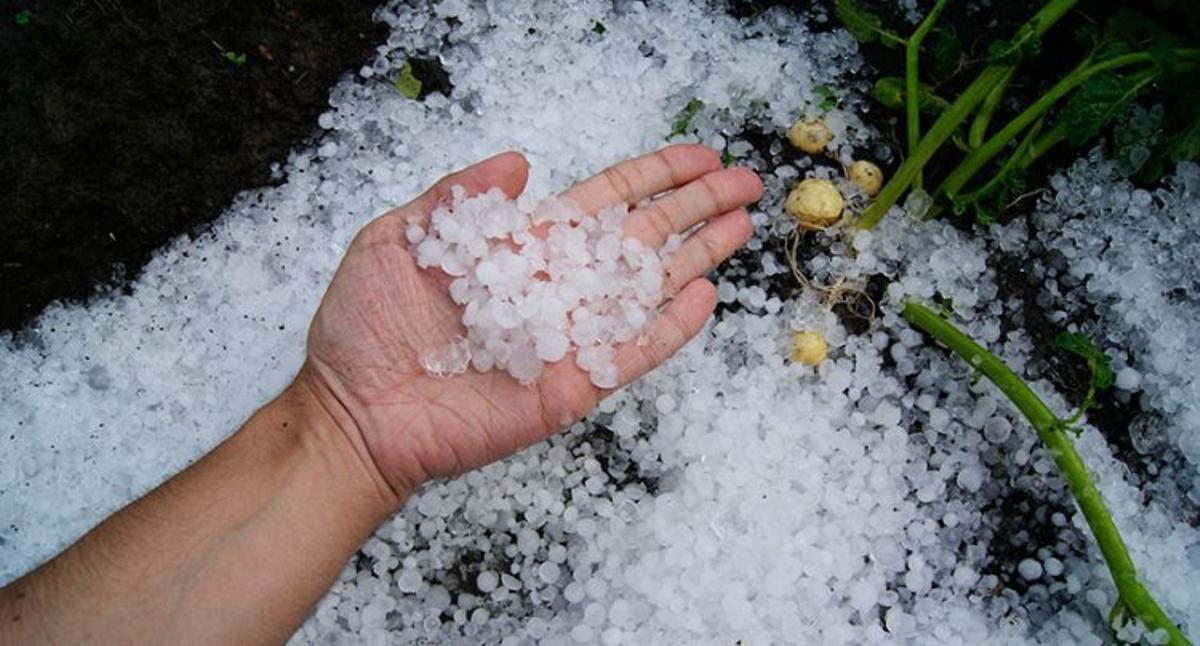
(1068,372)
(124,124)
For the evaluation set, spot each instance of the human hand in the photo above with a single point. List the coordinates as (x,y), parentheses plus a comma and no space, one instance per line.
(382,313)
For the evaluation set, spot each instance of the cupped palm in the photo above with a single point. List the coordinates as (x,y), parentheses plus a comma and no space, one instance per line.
(382,314)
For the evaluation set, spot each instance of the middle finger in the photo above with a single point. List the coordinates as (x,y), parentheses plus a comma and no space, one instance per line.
(695,202)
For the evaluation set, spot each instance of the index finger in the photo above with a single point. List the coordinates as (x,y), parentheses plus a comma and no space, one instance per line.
(636,179)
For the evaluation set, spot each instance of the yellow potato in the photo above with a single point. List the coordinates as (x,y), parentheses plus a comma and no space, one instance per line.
(809,348)
(815,203)
(866,176)
(810,136)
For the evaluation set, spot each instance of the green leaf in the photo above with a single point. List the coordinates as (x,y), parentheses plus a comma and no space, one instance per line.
(984,216)
(999,53)
(1011,52)
(861,24)
(1185,9)
(828,96)
(1097,361)
(599,28)
(683,120)
(408,84)
(236,58)
(1109,49)
(1179,139)
(1186,143)
(1165,57)
(890,91)
(1137,135)
(726,159)
(1094,105)
(1024,44)
(1087,35)
(947,51)
(23,17)
(865,26)
(1018,182)
(1138,30)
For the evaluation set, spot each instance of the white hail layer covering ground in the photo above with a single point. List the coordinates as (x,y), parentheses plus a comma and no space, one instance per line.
(538,280)
(1129,256)
(728,496)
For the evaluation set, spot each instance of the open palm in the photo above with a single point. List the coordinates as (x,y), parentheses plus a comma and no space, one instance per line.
(382,313)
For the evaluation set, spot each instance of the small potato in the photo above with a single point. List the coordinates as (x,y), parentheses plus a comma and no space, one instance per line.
(811,136)
(809,348)
(866,176)
(815,203)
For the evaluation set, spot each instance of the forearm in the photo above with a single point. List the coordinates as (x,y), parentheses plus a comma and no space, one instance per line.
(236,549)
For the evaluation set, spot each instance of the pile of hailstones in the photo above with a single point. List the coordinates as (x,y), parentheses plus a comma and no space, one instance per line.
(537,280)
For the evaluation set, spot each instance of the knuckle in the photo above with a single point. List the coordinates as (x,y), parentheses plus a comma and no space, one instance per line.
(672,170)
(714,190)
(713,249)
(660,220)
(654,354)
(619,182)
(678,331)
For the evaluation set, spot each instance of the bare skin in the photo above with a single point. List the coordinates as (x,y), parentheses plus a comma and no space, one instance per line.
(238,547)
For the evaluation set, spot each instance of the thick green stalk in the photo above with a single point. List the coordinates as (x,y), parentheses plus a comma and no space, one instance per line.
(987,109)
(1132,594)
(958,111)
(977,159)
(939,132)
(912,55)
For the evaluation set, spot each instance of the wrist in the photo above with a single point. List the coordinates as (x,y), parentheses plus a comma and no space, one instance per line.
(336,437)
(253,533)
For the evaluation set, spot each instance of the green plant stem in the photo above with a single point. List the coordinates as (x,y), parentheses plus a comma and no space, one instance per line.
(1088,399)
(939,132)
(987,109)
(1035,144)
(977,159)
(912,56)
(945,125)
(1044,142)
(1132,594)
(1017,162)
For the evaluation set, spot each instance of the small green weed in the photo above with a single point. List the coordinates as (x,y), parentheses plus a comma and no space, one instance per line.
(407,83)
(683,120)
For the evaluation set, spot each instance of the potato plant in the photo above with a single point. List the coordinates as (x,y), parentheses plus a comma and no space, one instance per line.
(1127,58)
(1133,600)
